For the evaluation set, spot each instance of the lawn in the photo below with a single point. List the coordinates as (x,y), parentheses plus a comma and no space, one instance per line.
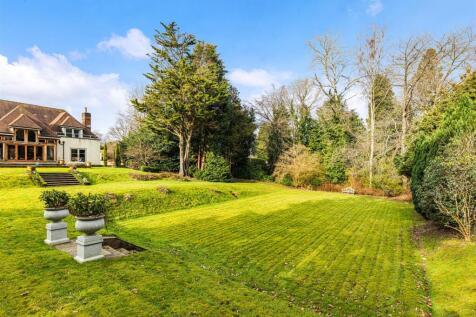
(220,249)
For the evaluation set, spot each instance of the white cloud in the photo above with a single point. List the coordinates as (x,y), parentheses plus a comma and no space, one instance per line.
(255,82)
(77,55)
(134,45)
(257,77)
(51,79)
(374,7)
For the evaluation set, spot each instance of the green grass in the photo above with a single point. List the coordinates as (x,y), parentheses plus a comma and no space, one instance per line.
(219,249)
(451,268)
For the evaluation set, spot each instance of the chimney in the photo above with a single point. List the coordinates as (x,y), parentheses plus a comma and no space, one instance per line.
(86,118)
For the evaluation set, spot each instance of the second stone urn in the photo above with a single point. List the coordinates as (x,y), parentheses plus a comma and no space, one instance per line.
(89,245)
(89,211)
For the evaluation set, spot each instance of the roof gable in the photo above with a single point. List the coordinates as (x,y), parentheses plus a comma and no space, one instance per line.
(48,120)
(24,121)
(69,121)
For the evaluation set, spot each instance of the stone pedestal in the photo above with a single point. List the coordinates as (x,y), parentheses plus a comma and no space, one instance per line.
(56,233)
(88,248)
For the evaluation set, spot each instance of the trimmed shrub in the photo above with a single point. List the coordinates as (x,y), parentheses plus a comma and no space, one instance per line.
(216,169)
(54,198)
(81,205)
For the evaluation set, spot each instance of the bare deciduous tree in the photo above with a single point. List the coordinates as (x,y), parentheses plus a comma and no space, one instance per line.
(126,122)
(370,59)
(455,51)
(332,64)
(407,76)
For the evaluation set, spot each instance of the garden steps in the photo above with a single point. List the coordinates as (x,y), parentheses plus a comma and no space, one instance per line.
(59,179)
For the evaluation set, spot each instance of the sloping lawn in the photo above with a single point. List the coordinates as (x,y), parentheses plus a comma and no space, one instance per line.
(216,249)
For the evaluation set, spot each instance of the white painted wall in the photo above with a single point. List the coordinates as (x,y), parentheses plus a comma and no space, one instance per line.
(92,147)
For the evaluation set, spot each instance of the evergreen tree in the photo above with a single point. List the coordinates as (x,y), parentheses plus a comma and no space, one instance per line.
(186,81)
(117,155)
(332,134)
(104,154)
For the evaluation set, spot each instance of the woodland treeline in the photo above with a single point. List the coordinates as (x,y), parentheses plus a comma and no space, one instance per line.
(419,129)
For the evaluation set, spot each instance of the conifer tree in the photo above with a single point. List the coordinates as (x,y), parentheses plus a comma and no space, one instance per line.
(186,81)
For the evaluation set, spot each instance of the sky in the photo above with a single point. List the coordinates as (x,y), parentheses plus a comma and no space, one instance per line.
(72,54)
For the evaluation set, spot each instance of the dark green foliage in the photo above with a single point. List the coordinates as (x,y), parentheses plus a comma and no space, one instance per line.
(334,168)
(253,169)
(448,120)
(216,169)
(104,154)
(287,180)
(90,205)
(164,165)
(54,198)
(118,154)
(334,131)
(383,97)
(228,132)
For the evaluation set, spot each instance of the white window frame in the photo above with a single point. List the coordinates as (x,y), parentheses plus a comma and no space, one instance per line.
(77,154)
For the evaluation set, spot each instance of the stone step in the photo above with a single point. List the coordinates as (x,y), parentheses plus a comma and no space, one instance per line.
(59,179)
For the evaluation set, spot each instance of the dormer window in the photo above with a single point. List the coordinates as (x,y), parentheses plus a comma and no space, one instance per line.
(73,133)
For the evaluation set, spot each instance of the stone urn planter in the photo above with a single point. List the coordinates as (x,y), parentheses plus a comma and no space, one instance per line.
(89,245)
(89,211)
(55,211)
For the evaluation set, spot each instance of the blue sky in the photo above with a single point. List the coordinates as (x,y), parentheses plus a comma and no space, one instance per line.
(91,53)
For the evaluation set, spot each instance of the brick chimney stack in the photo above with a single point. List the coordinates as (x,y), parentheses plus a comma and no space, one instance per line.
(86,116)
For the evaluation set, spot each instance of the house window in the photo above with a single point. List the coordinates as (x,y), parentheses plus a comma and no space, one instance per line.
(1,151)
(30,153)
(69,133)
(21,152)
(39,153)
(20,135)
(78,155)
(31,136)
(50,153)
(11,152)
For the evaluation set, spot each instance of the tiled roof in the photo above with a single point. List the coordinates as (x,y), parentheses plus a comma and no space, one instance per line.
(24,121)
(48,120)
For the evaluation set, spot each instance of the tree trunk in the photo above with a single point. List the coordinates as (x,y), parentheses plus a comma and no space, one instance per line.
(372,140)
(404,131)
(186,154)
(181,155)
